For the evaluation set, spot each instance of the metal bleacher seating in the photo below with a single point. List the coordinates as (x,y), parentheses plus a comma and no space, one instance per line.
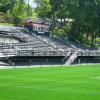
(33,45)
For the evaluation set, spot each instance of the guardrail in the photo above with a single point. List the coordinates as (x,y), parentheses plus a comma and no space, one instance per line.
(89,53)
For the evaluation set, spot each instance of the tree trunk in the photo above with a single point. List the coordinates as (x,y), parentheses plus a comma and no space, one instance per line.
(54,21)
(92,38)
(61,22)
(87,37)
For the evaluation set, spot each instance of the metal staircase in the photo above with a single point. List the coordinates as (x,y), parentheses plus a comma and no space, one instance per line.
(66,57)
(72,57)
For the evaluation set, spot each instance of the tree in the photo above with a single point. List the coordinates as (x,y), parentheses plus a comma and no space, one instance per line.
(6,5)
(86,19)
(19,12)
(43,8)
(84,13)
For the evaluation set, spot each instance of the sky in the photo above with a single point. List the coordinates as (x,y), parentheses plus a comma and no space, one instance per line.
(31,2)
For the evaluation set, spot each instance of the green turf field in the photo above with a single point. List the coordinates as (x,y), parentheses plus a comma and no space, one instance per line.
(59,83)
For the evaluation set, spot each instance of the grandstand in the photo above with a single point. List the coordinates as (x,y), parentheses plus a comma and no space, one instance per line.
(18,47)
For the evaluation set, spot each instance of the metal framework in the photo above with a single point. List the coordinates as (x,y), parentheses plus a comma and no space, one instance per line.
(33,45)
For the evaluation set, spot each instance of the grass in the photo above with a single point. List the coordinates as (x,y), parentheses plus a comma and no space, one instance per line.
(59,83)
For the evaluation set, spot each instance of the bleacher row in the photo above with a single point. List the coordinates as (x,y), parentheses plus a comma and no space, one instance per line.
(89,53)
(33,45)
(37,47)
(55,43)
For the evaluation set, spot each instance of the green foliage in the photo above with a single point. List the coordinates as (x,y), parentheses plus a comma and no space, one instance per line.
(18,12)
(85,15)
(86,19)
(15,11)
(2,17)
(43,8)
(67,28)
(59,32)
(6,5)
